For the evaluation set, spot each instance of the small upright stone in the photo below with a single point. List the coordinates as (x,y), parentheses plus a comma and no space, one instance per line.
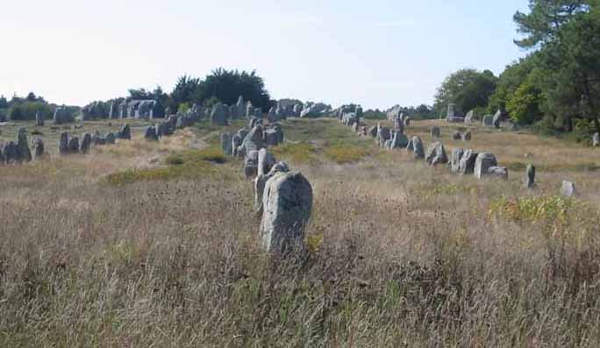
(63,145)
(23,145)
(455,158)
(435,132)
(456,135)
(498,172)
(38,147)
(251,164)
(596,139)
(110,138)
(466,136)
(436,154)
(150,133)
(530,176)
(483,163)
(418,148)
(226,143)
(74,145)
(467,162)
(568,189)
(125,132)
(86,141)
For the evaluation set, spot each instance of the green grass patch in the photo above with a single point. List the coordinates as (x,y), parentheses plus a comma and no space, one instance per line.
(189,164)
(342,154)
(533,209)
(296,153)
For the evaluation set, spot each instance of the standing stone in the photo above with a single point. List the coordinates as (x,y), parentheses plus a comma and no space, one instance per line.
(568,189)
(406,122)
(383,135)
(150,133)
(236,141)
(271,137)
(436,154)
(488,120)
(466,136)
(125,132)
(39,119)
(596,139)
(254,140)
(226,143)
(23,145)
(450,113)
(483,163)
(469,117)
(38,147)
(467,162)
(497,119)
(63,145)
(287,207)
(435,132)
(86,141)
(455,158)
(74,145)
(251,164)
(398,140)
(418,148)
(456,135)
(265,161)
(399,123)
(218,116)
(498,172)
(530,176)
(11,153)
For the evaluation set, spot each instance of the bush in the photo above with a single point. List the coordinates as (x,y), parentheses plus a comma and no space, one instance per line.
(27,111)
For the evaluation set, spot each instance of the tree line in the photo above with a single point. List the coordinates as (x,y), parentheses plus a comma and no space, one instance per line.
(556,87)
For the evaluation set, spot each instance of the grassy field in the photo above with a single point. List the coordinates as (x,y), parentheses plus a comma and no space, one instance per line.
(155,244)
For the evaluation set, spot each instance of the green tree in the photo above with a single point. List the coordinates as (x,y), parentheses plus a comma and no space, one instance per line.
(467,89)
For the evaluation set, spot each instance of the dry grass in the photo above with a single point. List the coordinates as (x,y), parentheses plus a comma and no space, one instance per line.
(401,254)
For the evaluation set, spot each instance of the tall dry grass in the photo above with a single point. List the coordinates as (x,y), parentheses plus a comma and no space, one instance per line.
(400,255)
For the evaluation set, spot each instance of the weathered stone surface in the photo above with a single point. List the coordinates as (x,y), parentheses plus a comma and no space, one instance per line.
(418,148)
(469,117)
(254,140)
(218,116)
(236,141)
(399,123)
(287,207)
(23,145)
(74,145)
(272,137)
(383,135)
(568,189)
(466,136)
(266,160)
(456,135)
(455,158)
(488,121)
(226,143)
(498,172)
(150,133)
(435,132)
(10,152)
(398,140)
(63,145)
(261,180)
(38,147)
(86,141)
(497,119)
(596,139)
(467,162)
(436,154)
(251,164)
(530,176)
(483,163)
(125,132)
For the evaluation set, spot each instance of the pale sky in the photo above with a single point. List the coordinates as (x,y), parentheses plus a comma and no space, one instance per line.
(377,53)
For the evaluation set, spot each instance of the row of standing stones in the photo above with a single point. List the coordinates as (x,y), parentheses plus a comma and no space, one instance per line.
(461,161)
(283,198)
